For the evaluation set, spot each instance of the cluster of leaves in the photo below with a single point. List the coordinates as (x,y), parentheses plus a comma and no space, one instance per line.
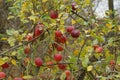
(80,56)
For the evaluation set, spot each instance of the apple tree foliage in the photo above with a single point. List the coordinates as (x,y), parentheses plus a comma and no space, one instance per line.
(42,47)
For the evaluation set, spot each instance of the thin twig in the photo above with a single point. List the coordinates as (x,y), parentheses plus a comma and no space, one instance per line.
(20,45)
(82,48)
(59,63)
(79,16)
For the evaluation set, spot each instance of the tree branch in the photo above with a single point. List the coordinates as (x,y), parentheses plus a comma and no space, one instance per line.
(79,16)
(21,45)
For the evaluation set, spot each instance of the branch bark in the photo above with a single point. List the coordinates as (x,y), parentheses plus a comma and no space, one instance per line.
(111,8)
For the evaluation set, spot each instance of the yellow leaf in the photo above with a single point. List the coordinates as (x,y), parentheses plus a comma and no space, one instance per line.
(44,0)
(89,68)
(33,18)
(76,52)
(1,61)
(5,59)
(61,14)
(27,77)
(10,17)
(73,21)
(4,38)
(87,1)
(13,53)
(65,16)
(109,25)
(14,62)
(119,27)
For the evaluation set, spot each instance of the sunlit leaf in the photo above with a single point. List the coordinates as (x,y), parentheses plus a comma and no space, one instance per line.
(44,0)
(63,76)
(13,53)
(89,68)
(10,17)
(87,1)
(1,61)
(73,21)
(33,18)
(13,62)
(4,38)
(118,60)
(11,41)
(28,77)
(10,31)
(76,52)
(85,61)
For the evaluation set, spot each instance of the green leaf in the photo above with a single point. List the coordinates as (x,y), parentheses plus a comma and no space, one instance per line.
(63,76)
(11,41)
(3,60)
(33,18)
(85,61)
(118,60)
(10,32)
(28,77)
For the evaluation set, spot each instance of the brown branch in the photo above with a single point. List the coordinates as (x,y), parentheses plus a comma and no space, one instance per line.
(79,16)
(21,45)
(59,63)
(81,48)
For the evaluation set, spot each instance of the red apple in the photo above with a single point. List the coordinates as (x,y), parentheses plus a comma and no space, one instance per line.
(5,65)
(59,48)
(69,29)
(27,49)
(68,73)
(95,46)
(63,39)
(50,64)
(99,49)
(53,14)
(58,57)
(18,79)
(29,37)
(2,75)
(38,62)
(62,66)
(112,62)
(38,29)
(58,33)
(75,33)
(73,6)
